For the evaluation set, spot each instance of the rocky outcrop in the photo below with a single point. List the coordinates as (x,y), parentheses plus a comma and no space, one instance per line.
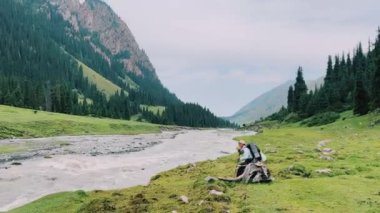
(107,29)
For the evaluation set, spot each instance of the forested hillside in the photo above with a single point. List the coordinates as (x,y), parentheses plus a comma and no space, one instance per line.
(351,83)
(42,58)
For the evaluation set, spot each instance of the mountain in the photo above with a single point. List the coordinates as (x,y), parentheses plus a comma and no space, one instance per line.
(107,33)
(79,57)
(267,103)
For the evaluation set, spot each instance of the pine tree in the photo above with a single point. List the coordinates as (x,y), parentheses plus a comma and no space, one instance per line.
(300,89)
(375,93)
(361,99)
(329,73)
(291,99)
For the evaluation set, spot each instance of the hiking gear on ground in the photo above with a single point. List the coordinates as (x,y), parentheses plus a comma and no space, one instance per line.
(253,173)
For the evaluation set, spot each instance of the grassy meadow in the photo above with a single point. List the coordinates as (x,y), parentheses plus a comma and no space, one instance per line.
(103,84)
(26,123)
(350,181)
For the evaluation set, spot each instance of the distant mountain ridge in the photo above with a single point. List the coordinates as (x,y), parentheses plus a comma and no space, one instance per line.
(267,103)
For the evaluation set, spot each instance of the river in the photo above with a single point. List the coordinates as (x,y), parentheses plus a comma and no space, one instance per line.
(103,162)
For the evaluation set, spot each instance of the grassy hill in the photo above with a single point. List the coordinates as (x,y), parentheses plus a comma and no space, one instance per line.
(102,84)
(294,157)
(25,123)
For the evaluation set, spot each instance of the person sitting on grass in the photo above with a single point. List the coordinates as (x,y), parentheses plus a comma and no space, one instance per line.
(250,168)
(245,157)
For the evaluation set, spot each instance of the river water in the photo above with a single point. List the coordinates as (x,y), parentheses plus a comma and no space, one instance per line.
(74,168)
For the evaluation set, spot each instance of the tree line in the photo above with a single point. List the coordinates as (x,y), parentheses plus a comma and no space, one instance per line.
(351,83)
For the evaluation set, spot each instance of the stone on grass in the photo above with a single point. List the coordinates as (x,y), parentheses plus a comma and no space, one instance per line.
(217,193)
(323,171)
(210,179)
(323,143)
(327,151)
(184,199)
(328,158)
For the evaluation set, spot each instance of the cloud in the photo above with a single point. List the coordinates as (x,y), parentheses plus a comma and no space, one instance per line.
(210,51)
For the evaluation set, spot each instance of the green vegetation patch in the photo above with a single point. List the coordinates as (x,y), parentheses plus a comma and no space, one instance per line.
(154,109)
(25,123)
(102,84)
(321,119)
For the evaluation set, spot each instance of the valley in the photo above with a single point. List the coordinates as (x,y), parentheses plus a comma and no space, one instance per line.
(103,162)
(329,168)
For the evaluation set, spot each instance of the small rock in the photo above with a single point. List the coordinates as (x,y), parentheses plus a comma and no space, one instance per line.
(210,179)
(323,143)
(327,151)
(214,192)
(184,199)
(328,158)
(323,171)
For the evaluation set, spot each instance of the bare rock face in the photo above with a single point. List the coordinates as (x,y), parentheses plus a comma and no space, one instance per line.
(98,18)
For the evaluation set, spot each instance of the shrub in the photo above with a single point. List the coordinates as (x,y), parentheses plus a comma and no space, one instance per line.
(292,118)
(296,169)
(98,205)
(321,119)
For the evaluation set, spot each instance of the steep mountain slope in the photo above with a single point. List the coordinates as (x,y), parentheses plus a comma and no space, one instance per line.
(108,34)
(78,57)
(267,103)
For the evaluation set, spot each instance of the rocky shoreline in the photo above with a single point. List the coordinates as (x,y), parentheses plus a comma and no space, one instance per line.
(83,145)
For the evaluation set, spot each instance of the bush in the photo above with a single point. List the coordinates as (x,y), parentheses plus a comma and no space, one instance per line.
(292,118)
(98,205)
(296,169)
(321,119)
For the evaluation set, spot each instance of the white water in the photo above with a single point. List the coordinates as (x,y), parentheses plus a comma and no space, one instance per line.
(38,177)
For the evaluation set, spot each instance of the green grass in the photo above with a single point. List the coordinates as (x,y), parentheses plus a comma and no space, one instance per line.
(102,84)
(352,186)
(25,123)
(130,82)
(153,109)
(12,148)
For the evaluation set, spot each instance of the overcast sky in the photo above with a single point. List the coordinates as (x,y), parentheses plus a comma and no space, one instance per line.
(224,53)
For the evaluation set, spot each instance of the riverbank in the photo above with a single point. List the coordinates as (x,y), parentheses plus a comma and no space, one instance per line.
(41,176)
(330,168)
(92,145)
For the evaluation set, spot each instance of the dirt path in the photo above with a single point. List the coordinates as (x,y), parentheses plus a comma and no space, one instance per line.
(39,176)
